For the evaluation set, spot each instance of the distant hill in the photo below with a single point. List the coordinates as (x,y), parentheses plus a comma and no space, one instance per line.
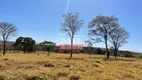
(9,43)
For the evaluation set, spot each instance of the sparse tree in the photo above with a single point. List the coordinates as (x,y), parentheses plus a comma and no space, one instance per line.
(100,27)
(118,37)
(7,30)
(48,46)
(89,44)
(71,25)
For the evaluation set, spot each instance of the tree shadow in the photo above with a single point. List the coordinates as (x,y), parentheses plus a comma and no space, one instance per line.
(118,59)
(73,58)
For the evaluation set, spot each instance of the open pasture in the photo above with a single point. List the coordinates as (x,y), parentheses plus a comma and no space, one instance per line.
(39,66)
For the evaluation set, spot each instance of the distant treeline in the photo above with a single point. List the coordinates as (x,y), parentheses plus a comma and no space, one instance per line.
(48,46)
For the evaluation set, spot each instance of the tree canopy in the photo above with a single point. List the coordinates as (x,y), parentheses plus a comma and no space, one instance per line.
(48,46)
(100,27)
(7,30)
(118,37)
(25,44)
(71,25)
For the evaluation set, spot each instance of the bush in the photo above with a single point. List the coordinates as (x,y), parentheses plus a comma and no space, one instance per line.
(99,51)
(128,55)
(140,56)
(134,55)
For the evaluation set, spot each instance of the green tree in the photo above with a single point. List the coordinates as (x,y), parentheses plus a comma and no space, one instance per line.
(100,27)
(7,30)
(18,44)
(71,25)
(25,44)
(48,46)
(89,44)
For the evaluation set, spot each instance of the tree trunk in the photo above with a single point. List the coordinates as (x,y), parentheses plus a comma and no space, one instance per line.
(71,47)
(90,51)
(4,47)
(48,53)
(24,50)
(115,53)
(108,54)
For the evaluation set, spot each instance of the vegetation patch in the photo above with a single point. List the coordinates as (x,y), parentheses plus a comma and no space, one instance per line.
(34,78)
(73,77)
(62,74)
(33,67)
(49,65)
(2,78)
(98,61)
(99,71)
(66,66)
(96,65)
(5,59)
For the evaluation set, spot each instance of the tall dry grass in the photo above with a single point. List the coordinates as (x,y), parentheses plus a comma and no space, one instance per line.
(39,66)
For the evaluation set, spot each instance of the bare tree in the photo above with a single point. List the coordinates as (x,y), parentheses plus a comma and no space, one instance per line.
(6,30)
(100,27)
(118,37)
(71,26)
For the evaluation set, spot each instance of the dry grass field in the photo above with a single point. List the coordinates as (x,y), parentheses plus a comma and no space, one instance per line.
(20,66)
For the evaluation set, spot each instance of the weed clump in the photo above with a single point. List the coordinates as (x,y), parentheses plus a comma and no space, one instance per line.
(49,65)
(62,74)
(74,77)
(34,78)
(29,67)
(1,78)
(66,66)
(96,65)
(5,59)
(98,61)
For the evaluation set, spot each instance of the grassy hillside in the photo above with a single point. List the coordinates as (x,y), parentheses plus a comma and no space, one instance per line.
(58,67)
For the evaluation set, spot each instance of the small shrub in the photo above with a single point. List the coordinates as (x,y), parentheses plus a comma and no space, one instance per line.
(1,65)
(140,56)
(74,77)
(49,65)
(128,55)
(5,59)
(29,67)
(81,70)
(1,78)
(34,78)
(98,61)
(62,74)
(96,65)
(136,56)
(66,66)
(99,71)
(99,51)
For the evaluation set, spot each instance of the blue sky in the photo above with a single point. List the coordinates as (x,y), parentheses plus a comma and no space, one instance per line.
(41,19)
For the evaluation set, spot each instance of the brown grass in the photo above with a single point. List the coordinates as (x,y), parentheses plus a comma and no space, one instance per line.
(80,67)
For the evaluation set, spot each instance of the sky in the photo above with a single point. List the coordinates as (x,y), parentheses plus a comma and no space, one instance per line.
(41,19)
